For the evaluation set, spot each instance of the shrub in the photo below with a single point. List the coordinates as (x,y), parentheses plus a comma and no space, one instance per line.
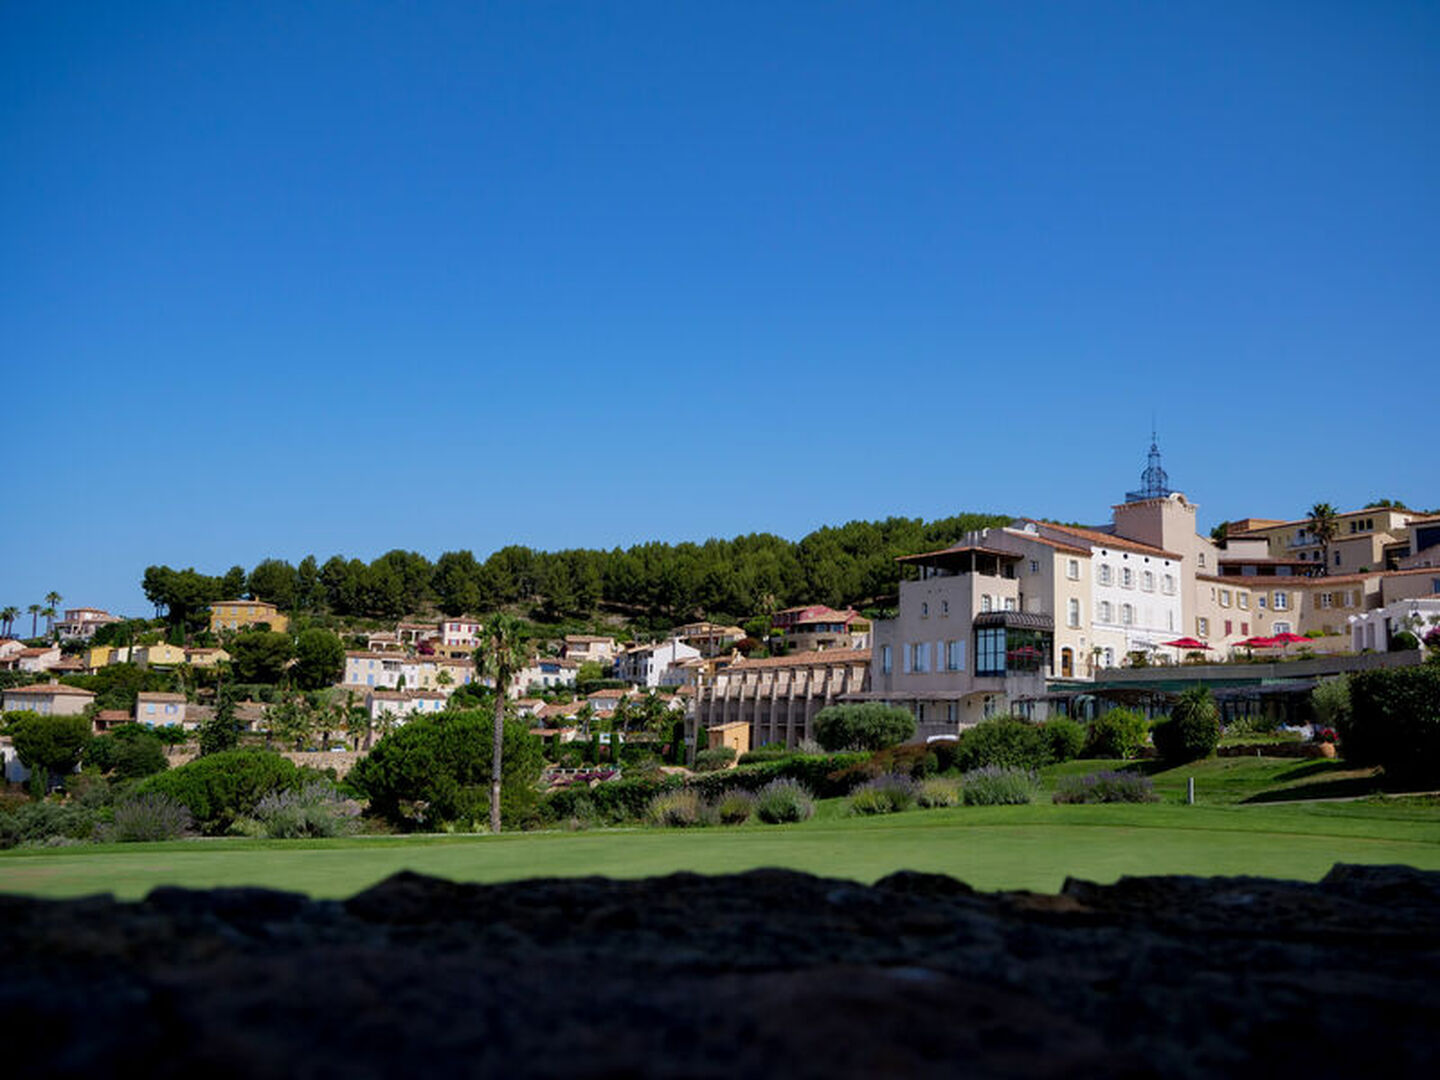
(42,821)
(1005,741)
(735,808)
(1105,787)
(610,802)
(138,757)
(676,810)
(435,771)
(765,754)
(1394,721)
(218,788)
(870,726)
(146,817)
(947,754)
(1119,733)
(936,792)
(713,760)
(996,785)
(314,810)
(1065,738)
(782,801)
(1193,730)
(884,795)
(827,775)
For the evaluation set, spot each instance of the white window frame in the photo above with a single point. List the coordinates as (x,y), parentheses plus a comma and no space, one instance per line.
(1072,569)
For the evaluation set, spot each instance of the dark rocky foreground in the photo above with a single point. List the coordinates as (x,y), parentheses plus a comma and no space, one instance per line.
(763,974)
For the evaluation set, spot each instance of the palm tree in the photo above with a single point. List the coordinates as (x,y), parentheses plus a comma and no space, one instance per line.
(501,654)
(1323,527)
(52,602)
(8,616)
(49,613)
(34,610)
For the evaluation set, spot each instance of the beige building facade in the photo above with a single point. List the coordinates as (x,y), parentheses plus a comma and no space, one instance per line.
(776,698)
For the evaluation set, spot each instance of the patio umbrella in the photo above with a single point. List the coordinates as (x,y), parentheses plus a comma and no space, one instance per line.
(1259,643)
(1185,643)
(1288,638)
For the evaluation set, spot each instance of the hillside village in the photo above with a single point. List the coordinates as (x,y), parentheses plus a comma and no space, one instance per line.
(1028,618)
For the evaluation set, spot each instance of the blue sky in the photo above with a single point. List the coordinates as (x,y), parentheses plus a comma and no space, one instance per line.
(344,277)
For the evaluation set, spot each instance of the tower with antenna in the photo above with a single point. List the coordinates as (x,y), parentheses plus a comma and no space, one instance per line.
(1154,483)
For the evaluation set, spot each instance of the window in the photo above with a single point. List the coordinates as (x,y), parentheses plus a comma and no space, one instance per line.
(925,610)
(1169,585)
(955,656)
(990,651)
(1262,601)
(944,607)
(1327,599)
(1127,614)
(1337,558)
(1245,628)
(1104,612)
(1202,558)
(1243,599)
(1202,627)
(1282,602)
(1072,613)
(920,657)
(950,710)
(1009,603)
(1224,597)
(1282,628)
(1109,657)
(1147,581)
(1034,566)
(1072,569)
(920,712)
(1104,574)
(985,602)
(1127,577)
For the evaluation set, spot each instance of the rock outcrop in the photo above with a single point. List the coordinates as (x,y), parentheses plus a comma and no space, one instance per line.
(770,973)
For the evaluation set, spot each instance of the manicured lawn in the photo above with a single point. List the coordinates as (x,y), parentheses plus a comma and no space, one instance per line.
(1033,847)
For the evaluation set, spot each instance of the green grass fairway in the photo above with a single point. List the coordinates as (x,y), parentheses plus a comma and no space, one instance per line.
(1029,847)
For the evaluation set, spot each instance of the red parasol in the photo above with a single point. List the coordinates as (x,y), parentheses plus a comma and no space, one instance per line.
(1185,643)
(1259,643)
(1289,639)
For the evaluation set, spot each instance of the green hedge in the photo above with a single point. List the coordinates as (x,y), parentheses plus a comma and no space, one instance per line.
(1394,721)
(612,802)
(828,776)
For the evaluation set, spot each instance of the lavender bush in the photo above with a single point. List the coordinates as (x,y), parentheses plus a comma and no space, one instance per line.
(1106,787)
(998,785)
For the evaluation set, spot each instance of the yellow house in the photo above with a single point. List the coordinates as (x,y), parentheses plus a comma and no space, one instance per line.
(205,658)
(97,657)
(162,655)
(238,614)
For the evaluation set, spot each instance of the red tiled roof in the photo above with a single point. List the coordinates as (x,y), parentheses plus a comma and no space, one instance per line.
(957,549)
(146,695)
(1058,545)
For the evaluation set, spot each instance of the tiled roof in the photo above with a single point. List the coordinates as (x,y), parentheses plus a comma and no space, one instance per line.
(1103,539)
(61,689)
(606,695)
(805,659)
(156,696)
(958,549)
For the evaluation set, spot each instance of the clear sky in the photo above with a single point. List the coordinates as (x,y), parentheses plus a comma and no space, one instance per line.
(342,277)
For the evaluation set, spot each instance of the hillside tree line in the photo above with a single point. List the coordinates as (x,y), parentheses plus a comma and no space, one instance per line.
(846,565)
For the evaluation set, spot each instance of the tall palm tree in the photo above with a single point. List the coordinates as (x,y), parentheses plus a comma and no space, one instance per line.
(49,615)
(502,652)
(34,610)
(52,602)
(8,616)
(1324,527)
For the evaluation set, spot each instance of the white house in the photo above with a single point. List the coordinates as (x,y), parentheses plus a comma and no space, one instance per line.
(656,664)
(1372,630)
(403,704)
